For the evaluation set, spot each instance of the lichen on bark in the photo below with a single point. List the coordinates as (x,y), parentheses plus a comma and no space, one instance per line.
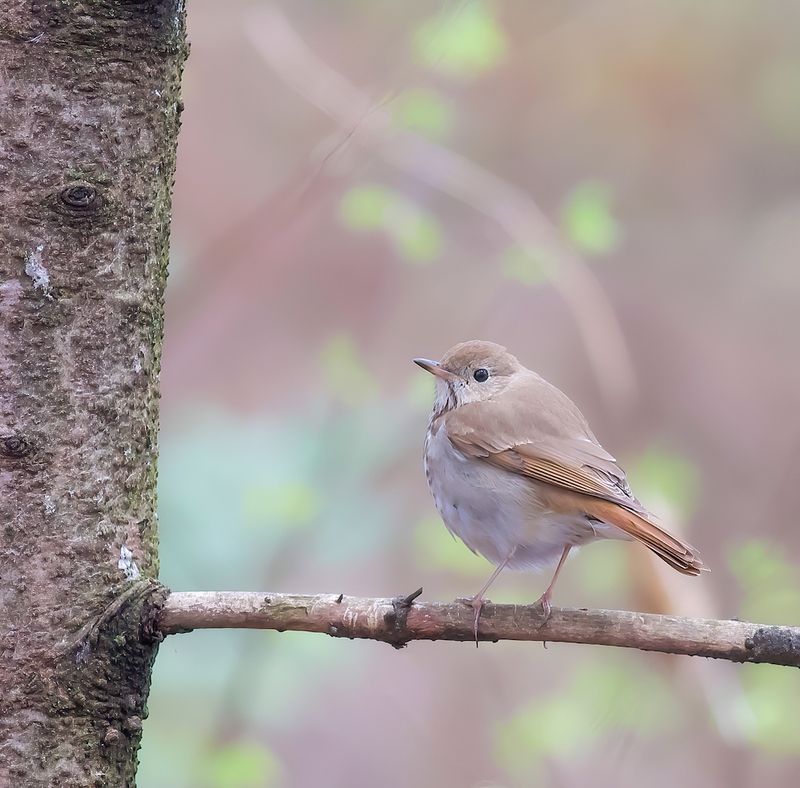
(89,115)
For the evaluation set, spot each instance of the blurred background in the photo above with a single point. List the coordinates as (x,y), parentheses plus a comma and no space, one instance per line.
(612,190)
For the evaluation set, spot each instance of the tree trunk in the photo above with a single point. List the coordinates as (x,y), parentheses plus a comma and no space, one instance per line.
(89,115)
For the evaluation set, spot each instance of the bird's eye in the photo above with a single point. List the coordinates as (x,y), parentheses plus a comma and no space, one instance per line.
(481,375)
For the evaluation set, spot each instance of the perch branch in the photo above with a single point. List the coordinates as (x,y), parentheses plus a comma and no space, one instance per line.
(400,620)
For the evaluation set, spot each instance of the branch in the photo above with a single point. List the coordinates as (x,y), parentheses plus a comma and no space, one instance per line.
(400,620)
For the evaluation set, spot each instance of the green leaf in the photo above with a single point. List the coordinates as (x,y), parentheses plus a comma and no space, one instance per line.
(587,220)
(418,238)
(464,43)
(346,377)
(415,233)
(241,765)
(363,207)
(423,111)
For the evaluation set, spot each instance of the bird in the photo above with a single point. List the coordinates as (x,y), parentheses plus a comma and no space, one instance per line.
(517,474)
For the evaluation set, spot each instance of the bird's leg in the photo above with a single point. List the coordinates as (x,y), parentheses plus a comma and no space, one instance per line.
(476,603)
(545,598)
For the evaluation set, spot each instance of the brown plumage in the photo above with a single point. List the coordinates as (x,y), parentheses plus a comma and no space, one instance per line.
(596,487)
(517,473)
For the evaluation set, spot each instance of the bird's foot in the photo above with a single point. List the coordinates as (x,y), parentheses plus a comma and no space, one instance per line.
(476,603)
(544,601)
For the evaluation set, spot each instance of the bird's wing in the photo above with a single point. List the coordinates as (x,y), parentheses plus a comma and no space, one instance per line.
(526,438)
(577,464)
(537,431)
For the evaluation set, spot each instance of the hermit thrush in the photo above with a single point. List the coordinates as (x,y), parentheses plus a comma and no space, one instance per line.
(519,477)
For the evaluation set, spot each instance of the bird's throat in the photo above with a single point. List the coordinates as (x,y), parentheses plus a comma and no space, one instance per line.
(445,401)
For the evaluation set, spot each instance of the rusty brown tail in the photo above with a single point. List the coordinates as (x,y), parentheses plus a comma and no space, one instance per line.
(678,554)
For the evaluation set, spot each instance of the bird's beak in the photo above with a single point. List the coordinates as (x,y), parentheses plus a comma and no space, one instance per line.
(435,368)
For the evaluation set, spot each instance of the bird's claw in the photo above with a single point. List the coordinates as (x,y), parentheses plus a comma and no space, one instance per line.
(544,601)
(476,603)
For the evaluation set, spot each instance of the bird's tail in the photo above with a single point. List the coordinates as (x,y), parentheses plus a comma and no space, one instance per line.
(678,554)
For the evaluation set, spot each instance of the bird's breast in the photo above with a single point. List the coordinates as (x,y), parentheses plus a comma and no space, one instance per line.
(488,508)
(494,511)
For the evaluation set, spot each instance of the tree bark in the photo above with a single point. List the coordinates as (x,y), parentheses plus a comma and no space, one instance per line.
(89,115)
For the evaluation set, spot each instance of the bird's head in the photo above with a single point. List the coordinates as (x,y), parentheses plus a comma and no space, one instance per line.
(471,371)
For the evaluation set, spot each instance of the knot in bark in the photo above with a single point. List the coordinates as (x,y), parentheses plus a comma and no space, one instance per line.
(79,197)
(79,202)
(15,446)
